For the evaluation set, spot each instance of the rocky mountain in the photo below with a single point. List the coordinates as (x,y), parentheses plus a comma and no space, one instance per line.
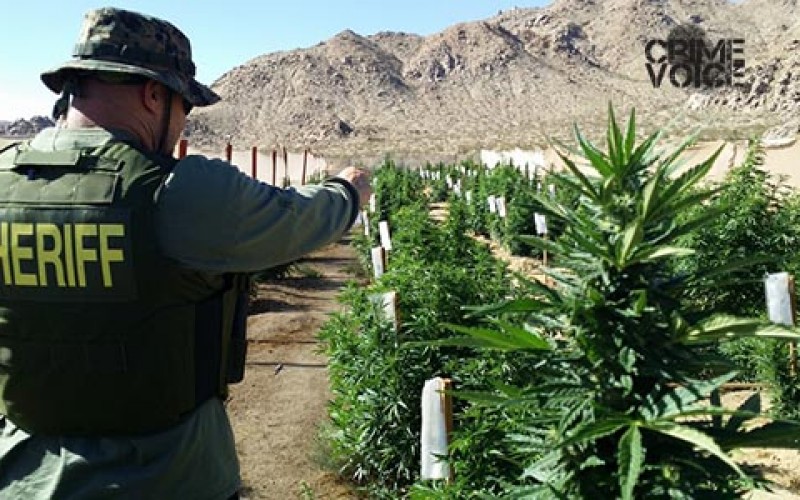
(23,127)
(511,80)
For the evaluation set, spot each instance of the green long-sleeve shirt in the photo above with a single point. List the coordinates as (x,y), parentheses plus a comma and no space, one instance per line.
(212,217)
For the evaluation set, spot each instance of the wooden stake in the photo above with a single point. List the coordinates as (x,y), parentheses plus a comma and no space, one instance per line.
(286,167)
(254,162)
(793,344)
(229,153)
(447,404)
(274,167)
(305,163)
(544,255)
(183,146)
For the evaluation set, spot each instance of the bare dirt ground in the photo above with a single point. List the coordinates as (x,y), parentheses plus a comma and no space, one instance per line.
(278,408)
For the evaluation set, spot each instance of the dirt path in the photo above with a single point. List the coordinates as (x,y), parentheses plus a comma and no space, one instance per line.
(276,411)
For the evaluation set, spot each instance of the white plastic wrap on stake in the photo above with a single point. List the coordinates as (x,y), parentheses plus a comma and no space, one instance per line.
(779,302)
(468,196)
(500,201)
(457,188)
(433,438)
(372,203)
(781,308)
(365,221)
(552,189)
(389,307)
(492,206)
(541,223)
(383,230)
(378,261)
(389,303)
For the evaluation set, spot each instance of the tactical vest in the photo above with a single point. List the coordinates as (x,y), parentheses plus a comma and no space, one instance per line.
(100,333)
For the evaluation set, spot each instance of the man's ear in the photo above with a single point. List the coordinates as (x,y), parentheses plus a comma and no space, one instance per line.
(152,95)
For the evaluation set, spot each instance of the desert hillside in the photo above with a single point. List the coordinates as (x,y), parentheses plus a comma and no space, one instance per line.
(511,80)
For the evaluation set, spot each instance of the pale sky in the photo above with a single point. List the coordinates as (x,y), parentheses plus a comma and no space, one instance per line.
(39,34)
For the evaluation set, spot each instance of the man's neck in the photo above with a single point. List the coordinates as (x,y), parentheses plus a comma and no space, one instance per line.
(119,124)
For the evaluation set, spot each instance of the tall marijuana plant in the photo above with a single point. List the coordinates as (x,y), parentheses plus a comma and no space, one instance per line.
(626,404)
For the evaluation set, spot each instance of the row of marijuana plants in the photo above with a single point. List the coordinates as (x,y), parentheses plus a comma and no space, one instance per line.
(376,378)
(756,219)
(604,383)
(476,186)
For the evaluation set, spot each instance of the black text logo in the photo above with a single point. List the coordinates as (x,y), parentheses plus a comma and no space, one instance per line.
(687,58)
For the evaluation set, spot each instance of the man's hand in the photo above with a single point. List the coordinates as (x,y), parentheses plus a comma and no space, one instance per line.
(360,179)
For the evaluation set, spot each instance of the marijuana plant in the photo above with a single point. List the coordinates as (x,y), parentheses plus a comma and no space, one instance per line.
(624,407)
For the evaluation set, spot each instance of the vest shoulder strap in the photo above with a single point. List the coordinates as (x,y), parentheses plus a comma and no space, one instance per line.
(33,157)
(9,146)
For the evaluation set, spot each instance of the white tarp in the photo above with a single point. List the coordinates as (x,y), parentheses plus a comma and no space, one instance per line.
(517,157)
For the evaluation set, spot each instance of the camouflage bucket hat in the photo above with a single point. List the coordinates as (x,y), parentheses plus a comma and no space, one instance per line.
(120,41)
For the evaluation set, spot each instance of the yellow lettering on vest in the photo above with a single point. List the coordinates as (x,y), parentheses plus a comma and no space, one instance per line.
(108,254)
(4,252)
(20,253)
(69,258)
(84,254)
(49,232)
